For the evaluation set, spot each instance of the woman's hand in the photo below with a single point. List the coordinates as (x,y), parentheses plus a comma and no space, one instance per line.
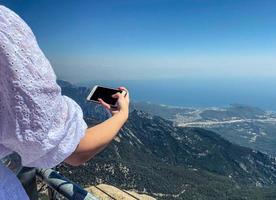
(122,103)
(100,135)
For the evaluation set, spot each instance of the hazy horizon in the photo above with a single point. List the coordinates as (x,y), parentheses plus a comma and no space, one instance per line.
(197,92)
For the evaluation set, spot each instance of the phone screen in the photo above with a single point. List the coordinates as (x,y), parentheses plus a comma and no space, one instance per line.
(105,94)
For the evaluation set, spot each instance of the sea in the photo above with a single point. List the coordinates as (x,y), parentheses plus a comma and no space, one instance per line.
(200,92)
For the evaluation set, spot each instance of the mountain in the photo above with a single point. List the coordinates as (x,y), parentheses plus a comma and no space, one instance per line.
(241,124)
(153,156)
(165,111)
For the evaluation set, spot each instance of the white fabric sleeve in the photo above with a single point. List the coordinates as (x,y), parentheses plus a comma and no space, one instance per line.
(39,123)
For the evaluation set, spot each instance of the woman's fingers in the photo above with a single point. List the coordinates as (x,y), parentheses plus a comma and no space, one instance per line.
(106,105)
(125,91)
(122,88)
(122,101)
(117,95)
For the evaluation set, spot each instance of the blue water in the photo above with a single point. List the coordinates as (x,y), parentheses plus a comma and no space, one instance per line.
(202,92)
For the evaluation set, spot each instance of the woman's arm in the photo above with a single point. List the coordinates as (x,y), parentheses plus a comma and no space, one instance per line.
(97,137)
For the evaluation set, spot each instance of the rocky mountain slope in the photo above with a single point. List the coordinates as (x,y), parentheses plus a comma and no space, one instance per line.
(155,157)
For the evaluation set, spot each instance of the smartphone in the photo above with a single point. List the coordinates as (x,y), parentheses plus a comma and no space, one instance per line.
(104,93)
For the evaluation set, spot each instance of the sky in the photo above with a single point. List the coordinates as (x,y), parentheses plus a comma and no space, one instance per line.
(154,39)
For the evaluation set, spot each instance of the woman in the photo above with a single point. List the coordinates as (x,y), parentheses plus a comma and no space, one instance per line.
(44,127)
